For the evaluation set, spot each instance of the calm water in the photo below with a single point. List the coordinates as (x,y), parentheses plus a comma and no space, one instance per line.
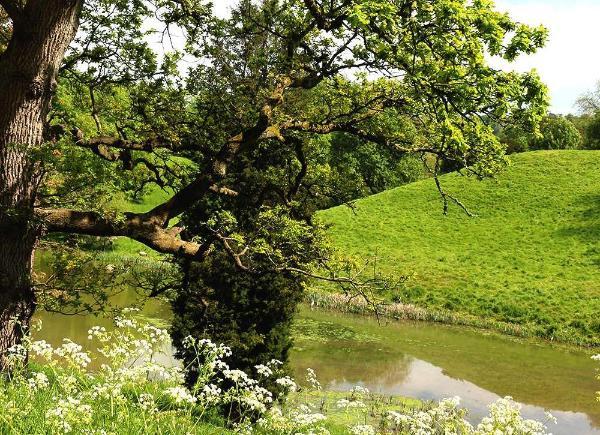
(424,361)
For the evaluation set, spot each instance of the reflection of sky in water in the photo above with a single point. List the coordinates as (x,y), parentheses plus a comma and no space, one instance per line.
(428,382)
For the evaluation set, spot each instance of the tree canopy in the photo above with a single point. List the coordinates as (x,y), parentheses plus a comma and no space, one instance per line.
(228,121)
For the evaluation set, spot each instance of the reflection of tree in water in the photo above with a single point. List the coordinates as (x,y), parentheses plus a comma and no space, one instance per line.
(340,353)
(339,362)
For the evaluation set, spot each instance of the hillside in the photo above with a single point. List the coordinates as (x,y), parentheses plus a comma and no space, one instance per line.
(531,256)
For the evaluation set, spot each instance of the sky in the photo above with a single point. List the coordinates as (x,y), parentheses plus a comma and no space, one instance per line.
(569,64)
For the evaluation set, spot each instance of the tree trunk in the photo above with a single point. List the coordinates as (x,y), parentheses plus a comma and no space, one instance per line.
(42,31)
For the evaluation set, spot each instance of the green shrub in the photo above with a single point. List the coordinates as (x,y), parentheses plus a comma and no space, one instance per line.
(250,313)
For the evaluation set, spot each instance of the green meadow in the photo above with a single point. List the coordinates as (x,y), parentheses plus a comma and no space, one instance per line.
(530,256)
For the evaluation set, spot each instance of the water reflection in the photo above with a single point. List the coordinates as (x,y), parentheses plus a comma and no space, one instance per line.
(432,362)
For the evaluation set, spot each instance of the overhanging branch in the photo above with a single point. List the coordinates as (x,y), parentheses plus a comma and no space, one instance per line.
(163,240)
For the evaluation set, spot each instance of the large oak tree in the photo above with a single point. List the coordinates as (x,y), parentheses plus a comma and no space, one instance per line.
(278,74)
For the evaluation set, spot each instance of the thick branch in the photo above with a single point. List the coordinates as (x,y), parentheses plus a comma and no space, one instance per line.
(325,21)
(108,141)
(352,129)
(150,228)
(197,189)
(91,223)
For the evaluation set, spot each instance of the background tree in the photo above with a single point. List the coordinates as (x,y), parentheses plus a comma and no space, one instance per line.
(589,121)
(556,133)
(307,77)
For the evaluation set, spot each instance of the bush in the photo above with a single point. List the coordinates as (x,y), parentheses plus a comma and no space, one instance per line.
(557,133)
(250,313)
(592,133)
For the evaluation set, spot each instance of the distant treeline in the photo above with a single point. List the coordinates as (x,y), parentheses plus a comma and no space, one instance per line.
(556,132)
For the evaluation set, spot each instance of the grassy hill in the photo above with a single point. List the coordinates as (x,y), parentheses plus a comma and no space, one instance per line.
(531,256)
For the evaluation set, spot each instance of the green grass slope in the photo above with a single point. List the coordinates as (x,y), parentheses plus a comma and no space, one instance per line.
(531,256)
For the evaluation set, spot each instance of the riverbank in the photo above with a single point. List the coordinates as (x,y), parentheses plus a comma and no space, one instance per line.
(348,304)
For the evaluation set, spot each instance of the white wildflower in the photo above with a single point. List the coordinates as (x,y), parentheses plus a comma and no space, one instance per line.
(147,403)
(109,391)
(16,354)
(360,390)
(237,376)
(124,322)
(38,381)
(263,370)
(345,403)
(68,383)
(311,378)
(181,396)
(68,414)
(188,342)
(42,349)
(211,394)
(398,418)
(362,429)
(287,383)
(72,353)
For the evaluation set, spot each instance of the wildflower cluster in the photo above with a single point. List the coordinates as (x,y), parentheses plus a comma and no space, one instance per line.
(505,417)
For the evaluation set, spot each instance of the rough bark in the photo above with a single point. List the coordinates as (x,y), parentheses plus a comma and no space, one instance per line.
(42,31)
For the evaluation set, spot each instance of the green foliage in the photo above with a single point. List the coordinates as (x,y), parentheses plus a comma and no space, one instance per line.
(515,138)
(530,256)
(274,116)
(592,132)
(556,133)
(251,314)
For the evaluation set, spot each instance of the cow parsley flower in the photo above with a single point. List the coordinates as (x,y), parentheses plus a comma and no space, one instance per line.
(345,403)
(181,396)
(188,342)
(360,390)
(311,378)
(287,383)
(69,413)
(72,353)
(147,403)
(42,349)
(16,355)
(38,381)
(362,429)
(263,370)
(210,394)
